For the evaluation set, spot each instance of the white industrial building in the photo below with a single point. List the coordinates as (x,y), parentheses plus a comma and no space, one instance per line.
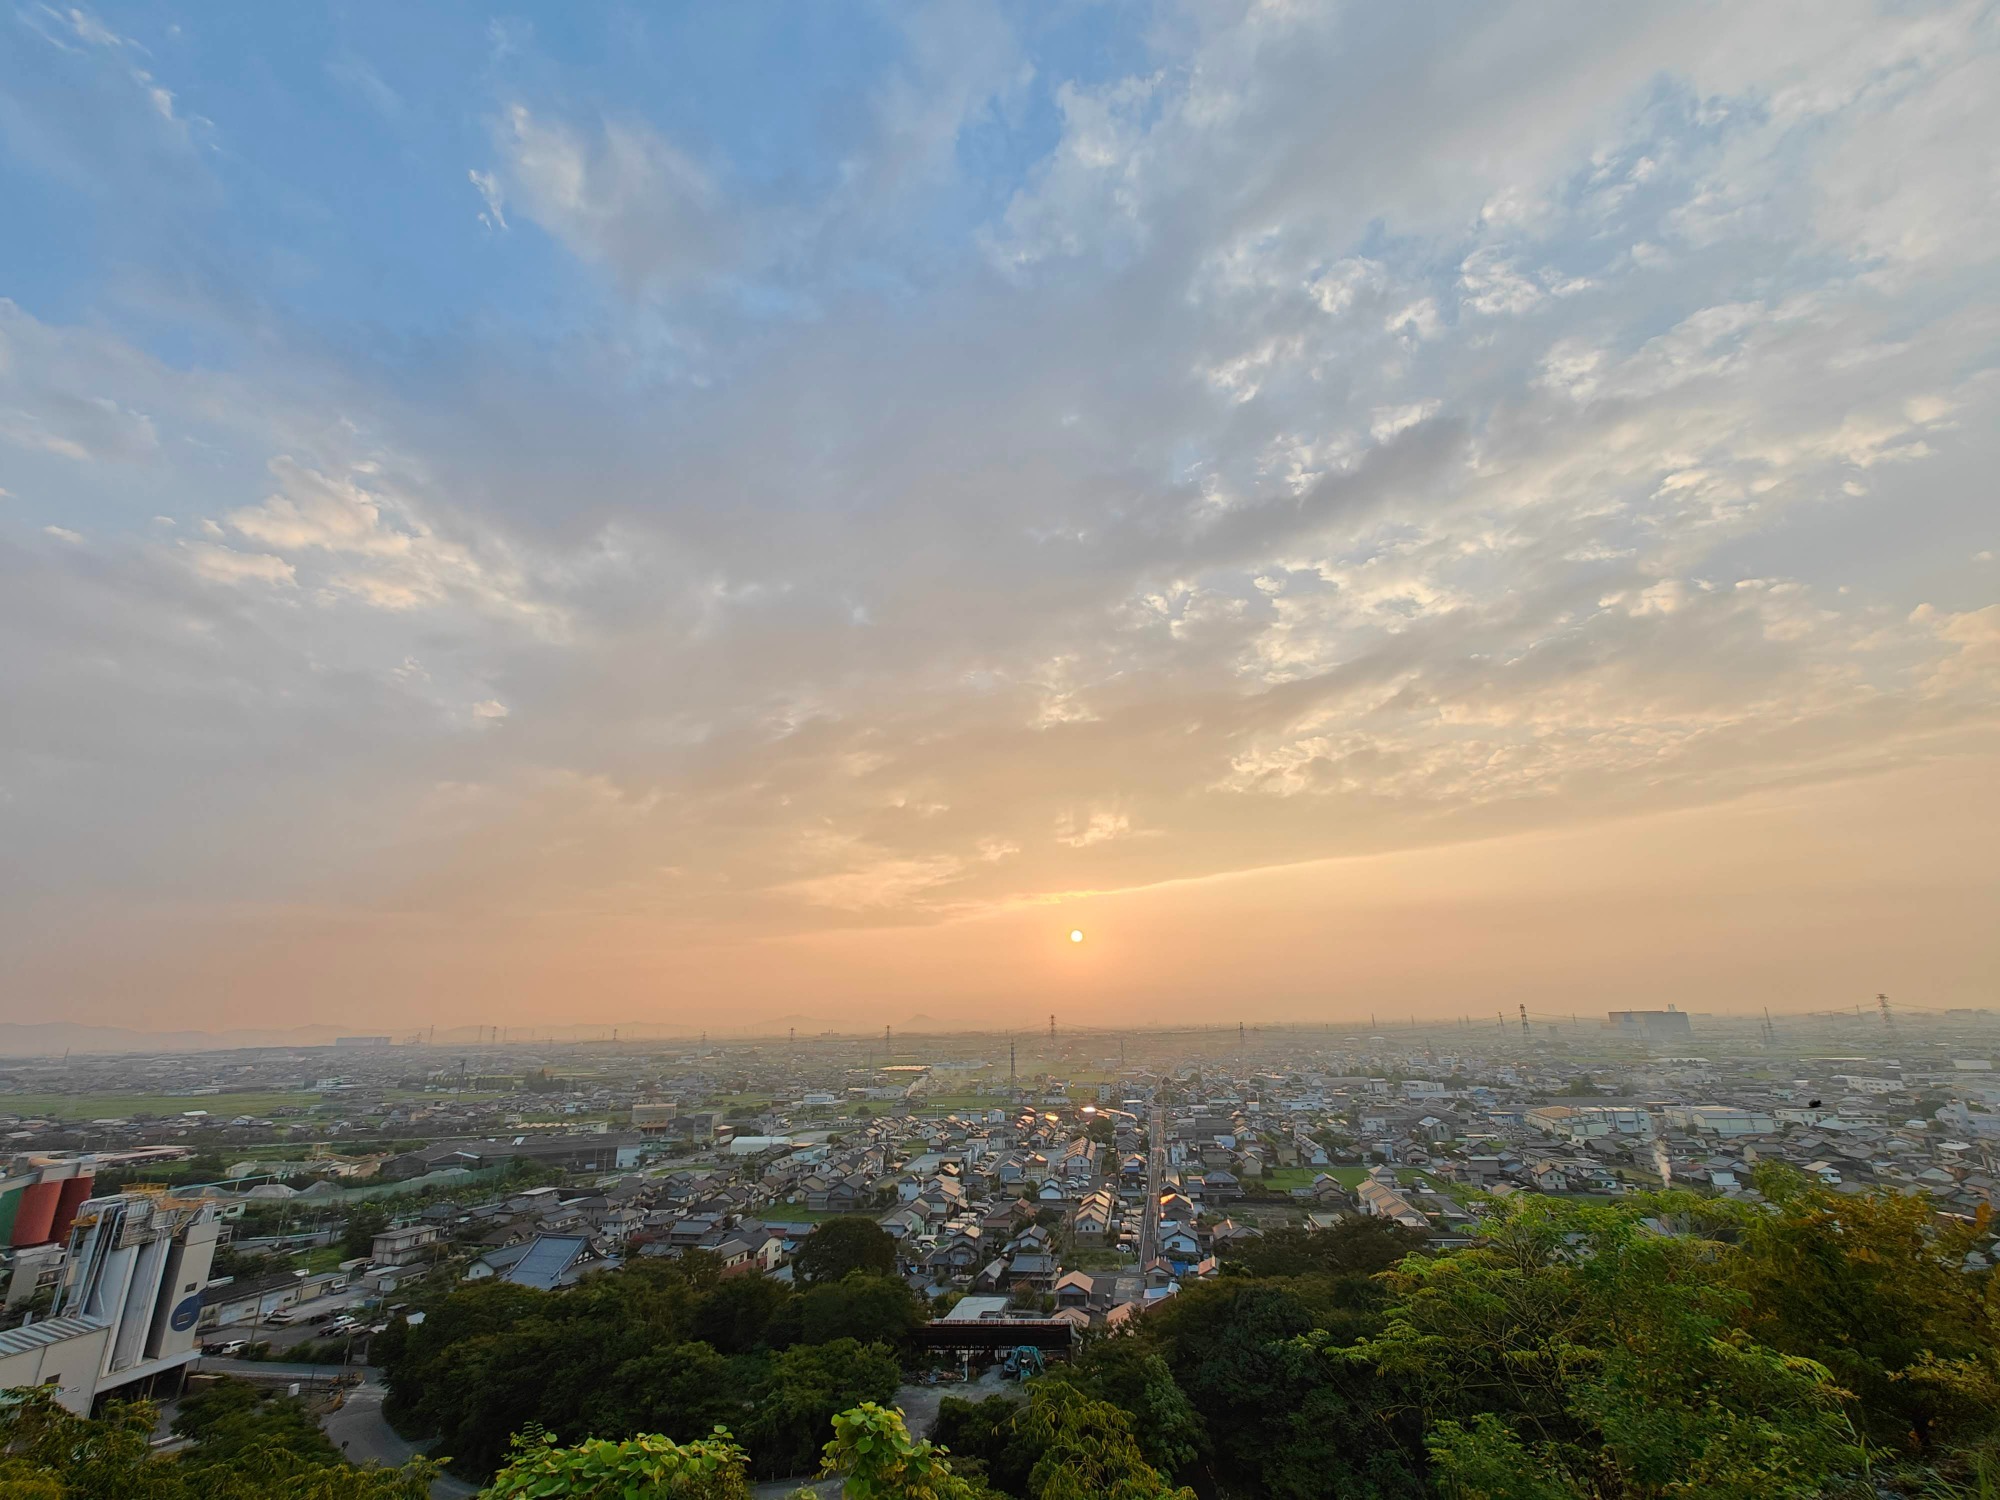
(130,1300)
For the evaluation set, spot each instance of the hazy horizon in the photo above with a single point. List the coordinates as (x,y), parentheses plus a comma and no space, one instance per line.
(693,515)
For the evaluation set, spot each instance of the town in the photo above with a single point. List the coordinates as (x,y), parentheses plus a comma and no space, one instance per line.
(270,1213)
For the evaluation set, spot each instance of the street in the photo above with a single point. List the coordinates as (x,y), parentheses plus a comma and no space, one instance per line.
(358,1427)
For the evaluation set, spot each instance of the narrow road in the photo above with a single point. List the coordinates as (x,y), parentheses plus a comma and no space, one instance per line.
(358,1428)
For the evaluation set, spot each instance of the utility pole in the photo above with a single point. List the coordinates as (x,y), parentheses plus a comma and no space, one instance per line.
(1052,1026)
(1888,1021)
(1524,1020)
(1012,1086)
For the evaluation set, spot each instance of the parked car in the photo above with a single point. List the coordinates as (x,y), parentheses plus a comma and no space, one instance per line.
(228,1349)
(342,1324)
(278,1316)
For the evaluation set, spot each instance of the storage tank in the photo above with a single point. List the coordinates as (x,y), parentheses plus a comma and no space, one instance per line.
(35,1220)
(74,1191)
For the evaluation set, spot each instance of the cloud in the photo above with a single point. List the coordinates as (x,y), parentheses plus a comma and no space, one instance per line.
(621,195)
(388,555)
(1301,436)
(227,565)
(494,198)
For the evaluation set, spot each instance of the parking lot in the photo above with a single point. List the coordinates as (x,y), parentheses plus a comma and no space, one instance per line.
(300,1323)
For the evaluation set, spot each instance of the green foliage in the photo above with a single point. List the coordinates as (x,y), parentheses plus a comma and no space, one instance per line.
(710,1468)
(245,1446)
(1357,1246)
(1486,1461)
(660,1346)
(1087,1450)
(364,1222)
(1873,1286)
(873,1452)
(1060,1444)
(1816,1345)
(808,1385)
(982,1438)
(841,1246)
(1130,1375)
(612,1356)
(1611,1356)
(872,1309)
(233,1419)
(1281,1420)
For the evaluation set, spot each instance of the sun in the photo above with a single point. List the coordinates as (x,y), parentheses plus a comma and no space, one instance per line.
(1076,934)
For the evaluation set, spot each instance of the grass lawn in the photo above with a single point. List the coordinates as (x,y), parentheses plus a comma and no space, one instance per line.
(1284,1179)
(787,1213)
(124,1106)
(1347,1177)
(324,1258)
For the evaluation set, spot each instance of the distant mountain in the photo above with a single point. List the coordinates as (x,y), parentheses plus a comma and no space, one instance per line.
(53,1038)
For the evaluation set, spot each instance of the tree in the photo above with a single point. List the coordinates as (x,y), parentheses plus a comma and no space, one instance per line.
(1087,1450)
(737,1313)
(233,1418)
(710,1468)
(1361,1245)
(982,1439)
(48,1453)
(861,1307)
(1874,1286)
(1609,1352)
(364,1222)
(808,1385)
(1135,1379)
(839,1246)
(873,1452)
(1283,1421)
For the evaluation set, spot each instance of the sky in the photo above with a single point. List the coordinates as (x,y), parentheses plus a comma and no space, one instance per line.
(701,514)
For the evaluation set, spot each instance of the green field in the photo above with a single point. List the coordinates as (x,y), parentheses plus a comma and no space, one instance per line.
(1284,1179)
(944,1104)
(123,1106)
